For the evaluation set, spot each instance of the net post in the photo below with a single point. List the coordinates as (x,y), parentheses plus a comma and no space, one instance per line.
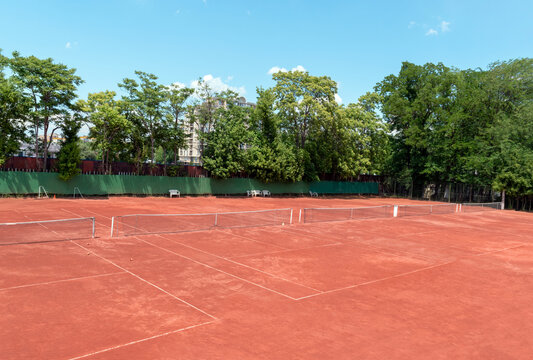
(112,226)
(351,213)
(290,220)
(94,227)
(300,216)
(216,219)
(395,211)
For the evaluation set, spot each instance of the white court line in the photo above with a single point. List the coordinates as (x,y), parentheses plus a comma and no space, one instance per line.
(142,340)
(240,264)
(218,270)
(227,259)
(281,251)
(499,250)
(60,281)
(148,282)
(228,231)
(406,273)
(377,280)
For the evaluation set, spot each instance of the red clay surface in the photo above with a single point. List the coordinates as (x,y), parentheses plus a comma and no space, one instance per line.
(453,286)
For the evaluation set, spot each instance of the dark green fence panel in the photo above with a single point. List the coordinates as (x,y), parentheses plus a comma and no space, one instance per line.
(13,183)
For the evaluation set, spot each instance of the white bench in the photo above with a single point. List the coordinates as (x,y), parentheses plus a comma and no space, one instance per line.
(313,194)
(253,192)
(174,192)
(266,193)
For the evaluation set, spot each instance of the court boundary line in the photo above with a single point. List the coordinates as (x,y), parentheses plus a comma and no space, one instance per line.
(61,281)
(377,280)
(142,340)
(240,264)
(148,282)
(218,270)
(222,258)
(409,272)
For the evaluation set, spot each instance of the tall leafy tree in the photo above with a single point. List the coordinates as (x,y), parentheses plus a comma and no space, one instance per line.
(175,137)
(52,90)
(108,127)
(69,157)
(225,154)
(415,104)
(14,107)
(146,101)
(270,157)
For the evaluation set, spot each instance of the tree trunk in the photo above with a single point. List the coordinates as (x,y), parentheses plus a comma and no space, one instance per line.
(503,200)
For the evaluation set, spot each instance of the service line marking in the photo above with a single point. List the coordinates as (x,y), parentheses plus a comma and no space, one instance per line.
(146,281)
(63,280)
(142,340)
(240,264)
(214,268)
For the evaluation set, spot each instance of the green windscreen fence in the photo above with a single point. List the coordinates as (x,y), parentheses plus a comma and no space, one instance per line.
(15,183)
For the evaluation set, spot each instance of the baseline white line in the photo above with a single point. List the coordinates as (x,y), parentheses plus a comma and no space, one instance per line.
(148,282)
(141,340)
(377,280)
(60,281)
(216,269)
(240,264)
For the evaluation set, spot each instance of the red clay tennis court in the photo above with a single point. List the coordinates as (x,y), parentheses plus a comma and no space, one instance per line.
(334,284)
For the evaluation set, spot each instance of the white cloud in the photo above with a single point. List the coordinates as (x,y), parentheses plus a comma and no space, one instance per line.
(432,32)
(276,69)
(68,45)
(177,11)
(299,68)
(229,78)
(338,99)
(218,85)
(411,24)
(444,26)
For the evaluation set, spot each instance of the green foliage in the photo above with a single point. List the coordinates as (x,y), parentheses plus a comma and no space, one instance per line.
(470,126)
(51,88)
(225,154)
(145,104)
(108,127)
(68,159)
(13,111)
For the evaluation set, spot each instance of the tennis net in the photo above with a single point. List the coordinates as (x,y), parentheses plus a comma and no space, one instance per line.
(473,207)
(420,210)
(46,230)
(310,215)
(139,224)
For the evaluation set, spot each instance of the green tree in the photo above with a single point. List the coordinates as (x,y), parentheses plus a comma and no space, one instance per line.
(69,155)
(416,105)
(108,127)
(175,137)
(270,157)
(225,154)
(146,103)
(52,90)
(14,107)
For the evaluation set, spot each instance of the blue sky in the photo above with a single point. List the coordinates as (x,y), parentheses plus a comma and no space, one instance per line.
(236,43)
